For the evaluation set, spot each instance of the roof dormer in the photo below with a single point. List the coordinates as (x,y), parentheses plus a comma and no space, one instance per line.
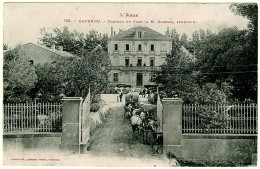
(139,33)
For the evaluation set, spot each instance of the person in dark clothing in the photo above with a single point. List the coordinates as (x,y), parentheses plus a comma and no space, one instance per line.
(144,93)
(148,92)
(121,95)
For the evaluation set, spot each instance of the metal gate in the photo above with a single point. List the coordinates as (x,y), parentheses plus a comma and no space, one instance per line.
(84,122)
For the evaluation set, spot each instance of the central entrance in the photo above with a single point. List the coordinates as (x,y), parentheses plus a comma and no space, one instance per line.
(139,79)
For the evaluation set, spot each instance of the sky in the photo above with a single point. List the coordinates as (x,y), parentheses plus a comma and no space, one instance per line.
(23,21)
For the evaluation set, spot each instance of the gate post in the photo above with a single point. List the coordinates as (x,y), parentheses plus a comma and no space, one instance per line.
(172,126)
(71,110)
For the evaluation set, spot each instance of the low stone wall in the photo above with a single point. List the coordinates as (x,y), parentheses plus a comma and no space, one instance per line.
(13,142)
(97,118)
(212,148)
(237,149)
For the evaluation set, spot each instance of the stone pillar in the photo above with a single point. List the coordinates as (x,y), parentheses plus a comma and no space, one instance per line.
(172,126)
(71,107)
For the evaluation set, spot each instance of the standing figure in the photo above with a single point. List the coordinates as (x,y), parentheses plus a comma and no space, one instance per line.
(148,92)
(120,95)
(144,92)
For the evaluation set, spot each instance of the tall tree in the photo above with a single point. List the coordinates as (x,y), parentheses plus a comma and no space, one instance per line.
(19,76)
(184,39)
(176,72)
(73,42)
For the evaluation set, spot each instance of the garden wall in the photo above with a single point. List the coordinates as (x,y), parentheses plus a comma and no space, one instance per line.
(17,142)
(237,149)
(214,148)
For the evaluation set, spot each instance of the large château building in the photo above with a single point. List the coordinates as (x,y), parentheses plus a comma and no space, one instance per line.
(136,55)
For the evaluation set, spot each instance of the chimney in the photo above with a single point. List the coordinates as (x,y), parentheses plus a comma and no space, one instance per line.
(112,31)
(167,32)
(53,46)
(60,48)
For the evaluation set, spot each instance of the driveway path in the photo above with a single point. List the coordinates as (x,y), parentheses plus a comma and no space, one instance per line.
(115,139)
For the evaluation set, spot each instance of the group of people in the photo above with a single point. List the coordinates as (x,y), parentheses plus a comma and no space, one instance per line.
(144,92)
(141,120)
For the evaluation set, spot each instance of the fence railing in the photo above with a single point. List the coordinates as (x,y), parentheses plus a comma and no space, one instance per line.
(220,119)
(32,117)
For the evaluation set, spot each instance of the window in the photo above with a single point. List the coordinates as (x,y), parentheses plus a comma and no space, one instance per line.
(31,62)
(152,47)
(152,61)
(127,47)
(139,34)
(115,77)
(116,47)
(139,47)
(127,61)
(139,61)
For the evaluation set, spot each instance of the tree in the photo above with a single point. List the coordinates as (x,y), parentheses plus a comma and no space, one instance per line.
(19,77)
(89,71)
(202,34)
(176,74)
(50,80)
(195,36)
(248,10)
(227,56)
(184,39)
(73,42)
(76,75)
(5,46)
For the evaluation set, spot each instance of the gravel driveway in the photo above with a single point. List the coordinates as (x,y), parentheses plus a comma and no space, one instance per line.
(115,139)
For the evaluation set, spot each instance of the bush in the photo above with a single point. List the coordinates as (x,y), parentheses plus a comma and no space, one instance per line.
(96,98)
(208,94)
(151,98)
(211,119)
(94,107)
(153,112)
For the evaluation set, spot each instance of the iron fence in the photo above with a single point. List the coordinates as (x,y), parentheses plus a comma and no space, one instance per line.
(32,117)
(220,119)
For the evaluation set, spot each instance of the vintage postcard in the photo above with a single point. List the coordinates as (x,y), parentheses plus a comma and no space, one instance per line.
(149,84)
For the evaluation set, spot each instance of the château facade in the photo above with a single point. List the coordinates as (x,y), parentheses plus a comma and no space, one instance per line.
(136,55)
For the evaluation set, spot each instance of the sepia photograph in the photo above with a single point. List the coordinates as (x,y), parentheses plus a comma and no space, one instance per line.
(130,84)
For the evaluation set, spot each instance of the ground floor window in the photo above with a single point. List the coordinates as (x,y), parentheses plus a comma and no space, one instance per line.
(115,77)
(139,61)
(126,61)
(139,79)
(152,61)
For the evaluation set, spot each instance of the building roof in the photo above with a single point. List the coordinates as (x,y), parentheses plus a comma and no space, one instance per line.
(191,56)
(131,34)
(57,52)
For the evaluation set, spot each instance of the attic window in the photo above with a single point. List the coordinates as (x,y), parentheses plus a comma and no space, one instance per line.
(31,62)
(139,34)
